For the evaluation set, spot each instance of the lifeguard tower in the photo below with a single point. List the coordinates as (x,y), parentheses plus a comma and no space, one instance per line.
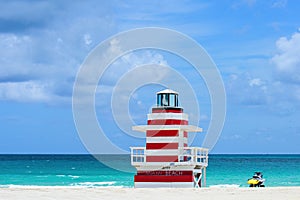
(166,160)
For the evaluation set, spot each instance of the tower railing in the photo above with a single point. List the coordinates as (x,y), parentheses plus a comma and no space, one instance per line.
(186,156)
(195,155)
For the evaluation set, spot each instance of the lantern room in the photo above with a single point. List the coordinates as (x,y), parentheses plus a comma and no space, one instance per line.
(167,98)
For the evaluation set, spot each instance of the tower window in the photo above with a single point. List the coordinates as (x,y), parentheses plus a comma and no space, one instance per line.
(167,100)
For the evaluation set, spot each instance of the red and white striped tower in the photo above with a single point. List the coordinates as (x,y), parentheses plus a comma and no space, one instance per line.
(166,160)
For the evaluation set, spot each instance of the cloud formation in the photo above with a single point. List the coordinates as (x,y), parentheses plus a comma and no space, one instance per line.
(42,44)
(24,91)
(247,90)
(287,60)
(279,92)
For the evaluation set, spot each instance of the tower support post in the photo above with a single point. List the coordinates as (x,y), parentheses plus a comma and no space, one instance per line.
(204,177)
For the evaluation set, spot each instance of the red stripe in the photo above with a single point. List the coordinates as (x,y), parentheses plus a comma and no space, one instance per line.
(162,146)
(165,173)
(161,158)
(141,178)
(162,133)
(185,145)
(185,134)
(167,122)
(167,110)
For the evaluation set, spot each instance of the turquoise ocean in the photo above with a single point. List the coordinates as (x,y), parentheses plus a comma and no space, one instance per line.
(87,171)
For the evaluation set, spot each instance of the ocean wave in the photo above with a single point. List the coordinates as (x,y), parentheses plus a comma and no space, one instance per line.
(94,184)
(33,186)
(71,176)
(68,186)
(225,186)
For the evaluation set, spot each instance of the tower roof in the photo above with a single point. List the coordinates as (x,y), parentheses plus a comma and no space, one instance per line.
(167,91)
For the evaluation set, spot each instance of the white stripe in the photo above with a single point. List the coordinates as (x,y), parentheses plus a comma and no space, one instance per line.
(163,184)
(180,116)
(166,140)
(162,152)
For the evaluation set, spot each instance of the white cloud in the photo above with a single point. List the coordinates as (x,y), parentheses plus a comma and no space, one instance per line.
(279,4)
(255,82)
(287,60)
(246,90)
(37,47)
(15,54)
(126,64)
(114,47)
(284,88)
(146,57)
(87,39)
(122,78)
(24,91)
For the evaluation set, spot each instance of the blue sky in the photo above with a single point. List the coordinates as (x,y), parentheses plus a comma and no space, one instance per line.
(255,44)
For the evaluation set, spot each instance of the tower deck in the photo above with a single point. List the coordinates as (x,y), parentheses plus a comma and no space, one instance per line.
(195,157)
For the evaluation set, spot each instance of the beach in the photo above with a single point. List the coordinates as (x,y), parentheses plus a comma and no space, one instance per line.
(74,193)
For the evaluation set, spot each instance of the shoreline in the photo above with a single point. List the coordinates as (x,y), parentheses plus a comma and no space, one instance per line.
(103,193)
(221,186)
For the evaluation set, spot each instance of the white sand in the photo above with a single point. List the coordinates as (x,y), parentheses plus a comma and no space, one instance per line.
(41,193)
